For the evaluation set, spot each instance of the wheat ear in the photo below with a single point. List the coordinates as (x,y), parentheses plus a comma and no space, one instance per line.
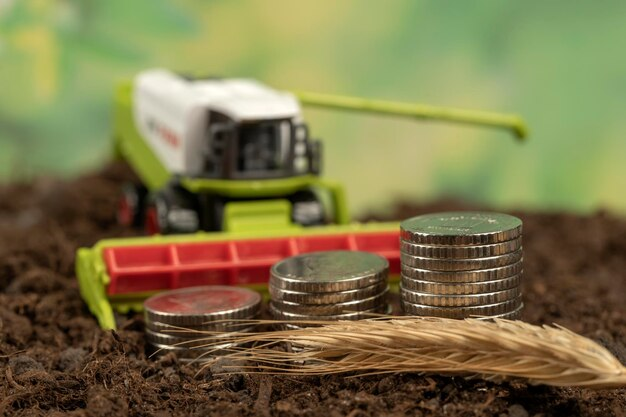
(496,349)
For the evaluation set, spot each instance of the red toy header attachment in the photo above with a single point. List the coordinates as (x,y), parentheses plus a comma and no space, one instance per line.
(134,269)
(119,274)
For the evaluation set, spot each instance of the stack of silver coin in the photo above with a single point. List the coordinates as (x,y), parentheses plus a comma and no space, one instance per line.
(176,319)
(462,264)
(327,286)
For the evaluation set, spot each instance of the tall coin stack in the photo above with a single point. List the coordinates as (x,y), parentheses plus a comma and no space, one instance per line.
(333,285)
(461,264)
(197,309)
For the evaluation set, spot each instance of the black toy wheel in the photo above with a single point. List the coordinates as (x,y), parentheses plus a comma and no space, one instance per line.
(213,213)
(130,207)
(307,209)
(171,211)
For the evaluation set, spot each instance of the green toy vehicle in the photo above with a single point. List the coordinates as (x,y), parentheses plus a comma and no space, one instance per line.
(232,161)
(233,154)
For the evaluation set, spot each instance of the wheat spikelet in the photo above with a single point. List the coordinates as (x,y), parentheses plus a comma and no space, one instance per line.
(496,349)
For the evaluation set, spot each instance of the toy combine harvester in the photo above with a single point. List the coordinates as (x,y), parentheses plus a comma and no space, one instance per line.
(231,175)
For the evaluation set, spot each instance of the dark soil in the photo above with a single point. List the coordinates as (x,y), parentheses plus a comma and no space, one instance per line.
(55,360)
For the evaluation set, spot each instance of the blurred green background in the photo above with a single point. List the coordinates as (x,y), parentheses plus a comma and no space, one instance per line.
(560,64)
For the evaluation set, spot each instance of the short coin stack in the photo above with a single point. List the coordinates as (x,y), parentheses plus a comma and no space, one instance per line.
(462,264)
(333,285)
(195,309)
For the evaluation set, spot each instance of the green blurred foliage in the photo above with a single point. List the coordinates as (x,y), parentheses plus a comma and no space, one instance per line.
(559,64)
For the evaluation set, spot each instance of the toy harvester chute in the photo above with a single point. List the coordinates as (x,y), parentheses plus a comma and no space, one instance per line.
(510,122)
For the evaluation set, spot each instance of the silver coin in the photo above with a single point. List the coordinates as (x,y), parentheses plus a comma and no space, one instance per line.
(191,354)
(386,309)
(329,271)
(460,288)
(284,315)
(332,309)
(461,312)
(225,327)
(195,306)
(459,300)
(192,341)
(180,350)
(513,315)
(289,326)
(460,252)
(491,274)
(327,297)
(448,265)
(461,228)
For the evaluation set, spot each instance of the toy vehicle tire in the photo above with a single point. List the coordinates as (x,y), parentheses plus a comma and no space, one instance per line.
(131,205)
(213,213)
(172,211)
(307,209)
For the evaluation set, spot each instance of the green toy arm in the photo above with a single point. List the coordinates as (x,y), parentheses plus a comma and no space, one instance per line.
(420,111)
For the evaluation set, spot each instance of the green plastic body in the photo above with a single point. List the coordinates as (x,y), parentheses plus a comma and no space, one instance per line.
(130,146)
